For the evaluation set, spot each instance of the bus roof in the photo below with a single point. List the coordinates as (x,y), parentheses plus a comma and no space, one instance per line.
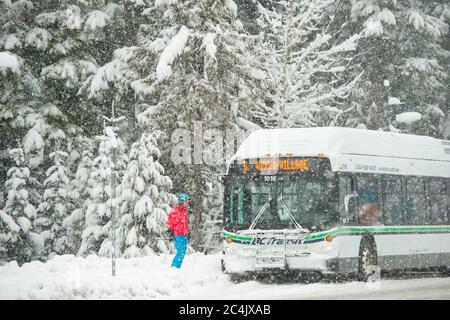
(353,150)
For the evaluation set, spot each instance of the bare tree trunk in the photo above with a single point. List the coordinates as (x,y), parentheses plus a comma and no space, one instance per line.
(129,22)
(377,114)
(197,207)
(287,52)
(198,183)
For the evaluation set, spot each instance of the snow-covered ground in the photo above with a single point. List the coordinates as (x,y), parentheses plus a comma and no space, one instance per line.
(69,277)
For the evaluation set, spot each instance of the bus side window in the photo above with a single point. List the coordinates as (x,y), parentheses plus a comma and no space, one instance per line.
(393,201)
(417,213)
(438,201)
(369,207)
(346,189)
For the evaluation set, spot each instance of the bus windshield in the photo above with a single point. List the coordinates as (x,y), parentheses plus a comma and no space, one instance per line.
(307,201)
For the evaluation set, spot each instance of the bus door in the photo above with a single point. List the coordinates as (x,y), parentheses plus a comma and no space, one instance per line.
(393,215)
(347,200)
(419,247)
(439,194)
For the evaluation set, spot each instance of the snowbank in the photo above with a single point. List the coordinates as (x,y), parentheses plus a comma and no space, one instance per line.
(70,277)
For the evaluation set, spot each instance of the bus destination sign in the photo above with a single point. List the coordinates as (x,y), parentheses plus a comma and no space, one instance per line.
(264,165)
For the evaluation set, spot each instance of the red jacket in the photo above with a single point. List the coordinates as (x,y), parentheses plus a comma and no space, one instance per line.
(177,220)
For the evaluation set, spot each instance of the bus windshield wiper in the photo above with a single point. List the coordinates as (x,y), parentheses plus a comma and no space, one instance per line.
(291,216)
(260,212)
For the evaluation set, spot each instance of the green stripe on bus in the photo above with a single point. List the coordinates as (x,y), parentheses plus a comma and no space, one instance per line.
(339,230)
(392,229)
(235,236)
(321,235)
(381,229)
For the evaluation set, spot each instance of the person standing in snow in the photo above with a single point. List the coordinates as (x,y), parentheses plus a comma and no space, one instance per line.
(177,224)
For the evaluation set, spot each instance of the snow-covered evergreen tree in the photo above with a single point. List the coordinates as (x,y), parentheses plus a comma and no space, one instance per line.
(78,196)
(98,212)
(75,44)
(183,51)
(146,200)
(110,82)
(18,241)
(26,111)
(306,65)
(19,115)
(25,103)
(402,43)
(53,210)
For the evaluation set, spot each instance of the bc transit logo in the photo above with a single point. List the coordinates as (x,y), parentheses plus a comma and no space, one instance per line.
(273,241)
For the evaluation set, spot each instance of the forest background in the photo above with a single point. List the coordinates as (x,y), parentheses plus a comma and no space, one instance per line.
(216,69)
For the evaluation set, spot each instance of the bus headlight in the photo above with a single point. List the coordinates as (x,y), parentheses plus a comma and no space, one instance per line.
(229,240)
(329,238)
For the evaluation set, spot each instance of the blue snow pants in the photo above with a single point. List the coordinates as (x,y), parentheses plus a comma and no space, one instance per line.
(180,246)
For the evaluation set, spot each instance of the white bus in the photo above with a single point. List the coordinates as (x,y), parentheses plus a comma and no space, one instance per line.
(337,200)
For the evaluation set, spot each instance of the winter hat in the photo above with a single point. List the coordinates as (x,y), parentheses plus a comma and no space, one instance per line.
(182,197)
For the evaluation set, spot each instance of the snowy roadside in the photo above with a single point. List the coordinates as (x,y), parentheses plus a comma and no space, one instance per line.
(69,277)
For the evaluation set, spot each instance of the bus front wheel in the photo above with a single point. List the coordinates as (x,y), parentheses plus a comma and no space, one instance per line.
(367,265)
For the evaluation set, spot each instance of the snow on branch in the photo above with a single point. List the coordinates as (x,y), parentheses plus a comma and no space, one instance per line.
(9,62)
(5,218)
(170,52)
